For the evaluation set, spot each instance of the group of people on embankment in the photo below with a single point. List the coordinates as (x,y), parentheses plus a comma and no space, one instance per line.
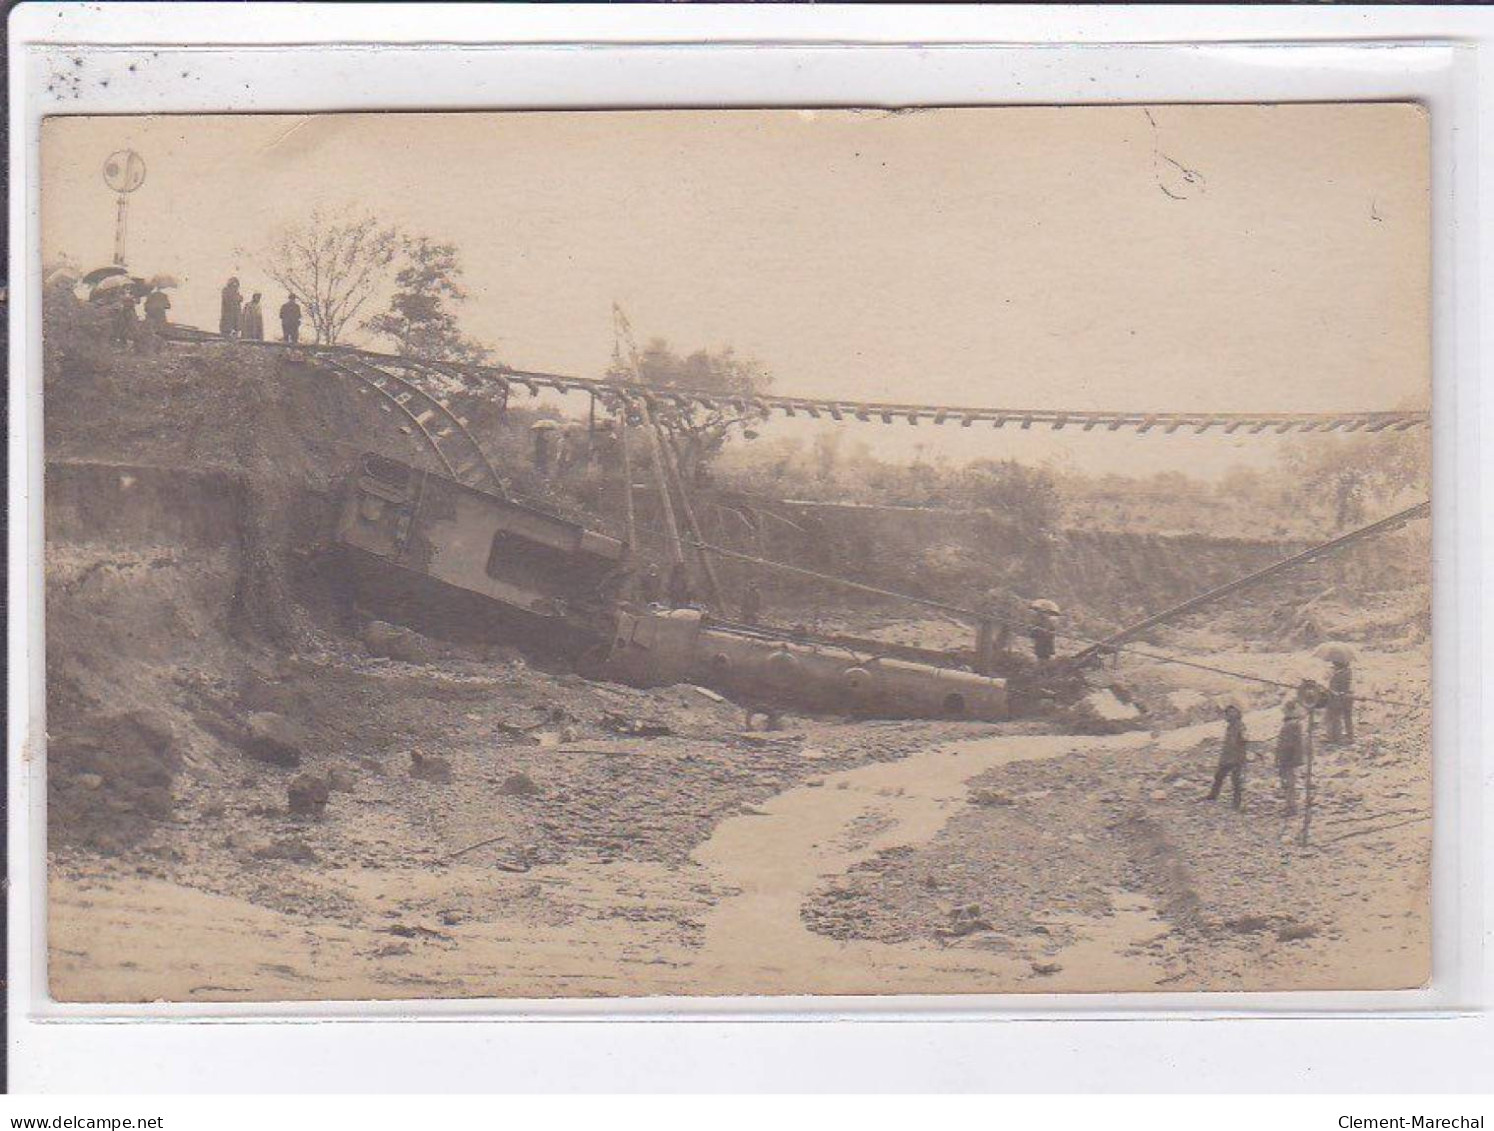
(246,320)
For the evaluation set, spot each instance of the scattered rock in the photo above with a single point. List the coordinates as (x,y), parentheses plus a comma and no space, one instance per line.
(274,739)
(518,785)
(88,781)
(340,779)
(290,849)
(990,798)
(427,767)
(392,642)
(634,727)
(1291,932)
(307,795)
(1046,968)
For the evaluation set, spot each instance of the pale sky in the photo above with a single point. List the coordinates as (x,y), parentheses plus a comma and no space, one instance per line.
(1264,258)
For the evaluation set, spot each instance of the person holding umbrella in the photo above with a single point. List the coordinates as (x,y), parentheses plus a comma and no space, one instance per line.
(156,306)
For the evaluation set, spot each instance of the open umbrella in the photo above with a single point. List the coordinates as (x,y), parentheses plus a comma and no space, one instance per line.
(61,275)
(162,282)
(544,425)
(114,286)
(1231,701)
(1043,605)
(93,277)
(1336,653)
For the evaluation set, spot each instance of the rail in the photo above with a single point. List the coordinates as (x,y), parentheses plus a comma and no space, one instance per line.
(838,409)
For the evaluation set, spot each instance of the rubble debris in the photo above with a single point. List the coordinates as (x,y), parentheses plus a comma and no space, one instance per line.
(108,777)
(622,724)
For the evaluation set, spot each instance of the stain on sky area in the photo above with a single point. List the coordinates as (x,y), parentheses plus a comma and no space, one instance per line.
(1176,180)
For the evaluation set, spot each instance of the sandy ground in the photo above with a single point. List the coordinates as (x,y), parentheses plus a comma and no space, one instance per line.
(744,911)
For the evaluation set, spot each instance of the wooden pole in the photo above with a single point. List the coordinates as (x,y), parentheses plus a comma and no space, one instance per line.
(671,528)
(1312,722)
(692,526)
(627,475)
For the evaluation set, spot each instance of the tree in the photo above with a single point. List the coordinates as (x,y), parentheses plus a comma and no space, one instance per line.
(1027,497)
(334,267)
(699,432)
(1351,474)
(420,319)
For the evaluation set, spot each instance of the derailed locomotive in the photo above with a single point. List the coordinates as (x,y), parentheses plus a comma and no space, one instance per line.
(425,548)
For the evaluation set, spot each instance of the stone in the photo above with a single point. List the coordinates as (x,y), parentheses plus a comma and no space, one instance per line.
(427,767)
(274,739)
(518,785)
(307,795)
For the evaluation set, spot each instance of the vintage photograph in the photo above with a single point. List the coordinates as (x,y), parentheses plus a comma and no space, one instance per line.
(598,554)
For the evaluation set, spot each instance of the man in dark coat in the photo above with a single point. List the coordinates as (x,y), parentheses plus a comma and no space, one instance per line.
(1339,710)
(290,320)
(1231,757)
(228,320)
(1291,750)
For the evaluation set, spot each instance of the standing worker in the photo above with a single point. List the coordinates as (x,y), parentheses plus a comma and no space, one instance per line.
(290,320)
(648,585)
(752,604)
(252,322)
(1043,629)
(228,320)
(1290,752)
(1231,757)
(1339,713)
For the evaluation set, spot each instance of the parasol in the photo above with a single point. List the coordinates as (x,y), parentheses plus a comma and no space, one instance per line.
(115,286)
(162,282)
(98,273)
(544,425)
(1234,701)
(1336,653)
(61,275)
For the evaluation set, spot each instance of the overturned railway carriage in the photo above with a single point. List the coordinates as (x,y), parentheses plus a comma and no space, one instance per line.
(451,559)
(454,560)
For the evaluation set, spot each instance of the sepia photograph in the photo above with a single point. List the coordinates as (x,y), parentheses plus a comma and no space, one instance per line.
(713,553)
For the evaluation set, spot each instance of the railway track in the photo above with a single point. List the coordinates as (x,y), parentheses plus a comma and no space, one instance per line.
(441,428)
(425,415)
(506,380)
